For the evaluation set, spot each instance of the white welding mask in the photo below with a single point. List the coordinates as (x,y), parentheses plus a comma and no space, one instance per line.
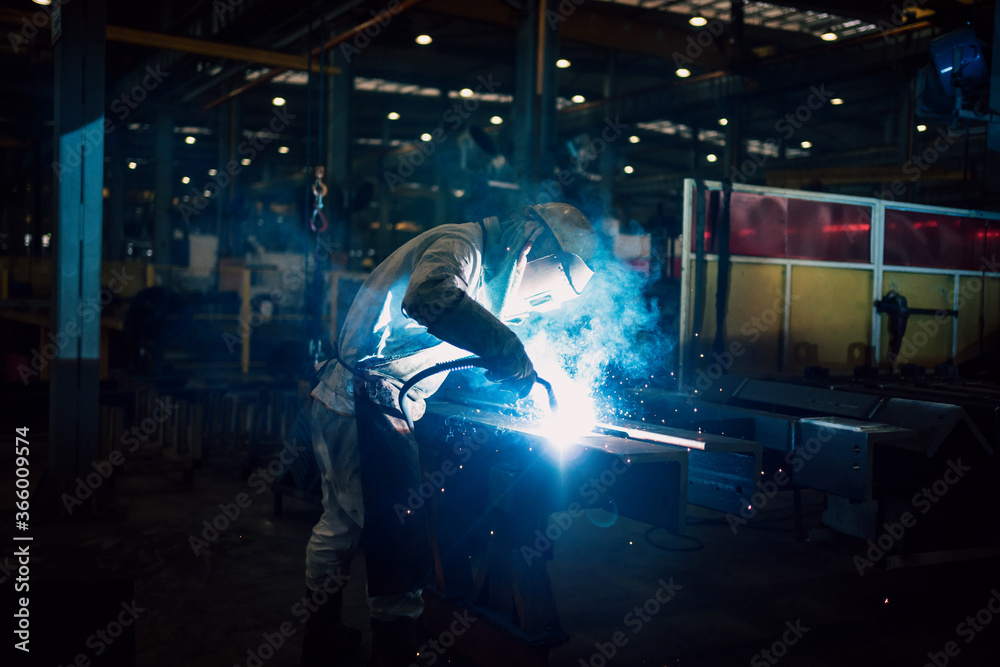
(548,282)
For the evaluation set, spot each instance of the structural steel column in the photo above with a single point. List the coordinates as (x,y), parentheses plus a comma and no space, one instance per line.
(609,158)
(163,187)
(115,224)
(76,301)
(991,173)
(535,92)
(340,88)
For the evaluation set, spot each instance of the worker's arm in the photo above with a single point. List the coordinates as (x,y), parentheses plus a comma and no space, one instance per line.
(438,298)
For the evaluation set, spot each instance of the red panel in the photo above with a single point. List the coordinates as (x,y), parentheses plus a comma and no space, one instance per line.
(782,227)
(829,231)
(757,225)
(916,238)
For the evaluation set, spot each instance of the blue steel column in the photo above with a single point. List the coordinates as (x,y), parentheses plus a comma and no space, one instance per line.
(76,301)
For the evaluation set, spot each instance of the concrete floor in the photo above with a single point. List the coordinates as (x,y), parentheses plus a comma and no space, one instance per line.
(738,594)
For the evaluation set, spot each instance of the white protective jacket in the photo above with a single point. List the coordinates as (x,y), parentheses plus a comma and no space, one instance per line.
(479,258)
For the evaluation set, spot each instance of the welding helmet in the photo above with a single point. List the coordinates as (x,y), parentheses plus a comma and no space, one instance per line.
(570,229)
(557,270)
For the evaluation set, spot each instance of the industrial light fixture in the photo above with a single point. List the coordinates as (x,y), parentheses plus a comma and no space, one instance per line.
(579,99)
(633,139)
(466,92)
(683,73)
(393,115)
(43,3)
(562,63)
(806,144)
(282,149)
(132,165)
(189,140)
(836,101)
(628,169)
(426,136)
(698,21)
(186,180)
(278,101)
(212,172)
(828,36)
(496,120)
(424,40)
(245,161)
(711,157)
(921,128)
(723,121)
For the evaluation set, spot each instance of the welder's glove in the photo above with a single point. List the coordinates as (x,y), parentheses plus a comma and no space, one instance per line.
(472,327)
(513,370)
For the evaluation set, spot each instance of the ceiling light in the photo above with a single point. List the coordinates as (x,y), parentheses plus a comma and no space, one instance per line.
(424,40)
(579,99)
(186,180)
(212,172)
(245,161)
(282,149)
(562,63)
(426,136)
(806,144)
(628,169)
(43,3)
(683,73)
(836,101)
(921,128)
(633,139)
(393,115)
(466,92)
(278,101)
(698,21)
(189,140)
(828,36)
(207,194)
(711,157)
(132,165)
(496,120)
(723,121)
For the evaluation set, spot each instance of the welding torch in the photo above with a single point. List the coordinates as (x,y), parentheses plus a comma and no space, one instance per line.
(458,365)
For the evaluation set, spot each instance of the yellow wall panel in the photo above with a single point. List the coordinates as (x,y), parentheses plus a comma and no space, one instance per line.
(928,338)
(973,294)
(754,319)
(831,309)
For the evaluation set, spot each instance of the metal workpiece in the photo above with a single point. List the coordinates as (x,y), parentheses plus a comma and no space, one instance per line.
(837,454)
(773,430)
(584,469)
(797,398)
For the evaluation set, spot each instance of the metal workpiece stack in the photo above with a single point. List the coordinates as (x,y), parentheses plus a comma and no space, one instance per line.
(883,454)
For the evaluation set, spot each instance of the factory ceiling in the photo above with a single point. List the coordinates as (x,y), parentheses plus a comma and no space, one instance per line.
(824,94)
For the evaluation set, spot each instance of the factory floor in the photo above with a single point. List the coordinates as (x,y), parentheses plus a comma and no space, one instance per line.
(626,595)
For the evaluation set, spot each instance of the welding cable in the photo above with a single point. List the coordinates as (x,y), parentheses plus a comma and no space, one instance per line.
(462,364)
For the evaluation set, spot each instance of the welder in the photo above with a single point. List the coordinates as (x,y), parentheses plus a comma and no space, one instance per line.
(443,294)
